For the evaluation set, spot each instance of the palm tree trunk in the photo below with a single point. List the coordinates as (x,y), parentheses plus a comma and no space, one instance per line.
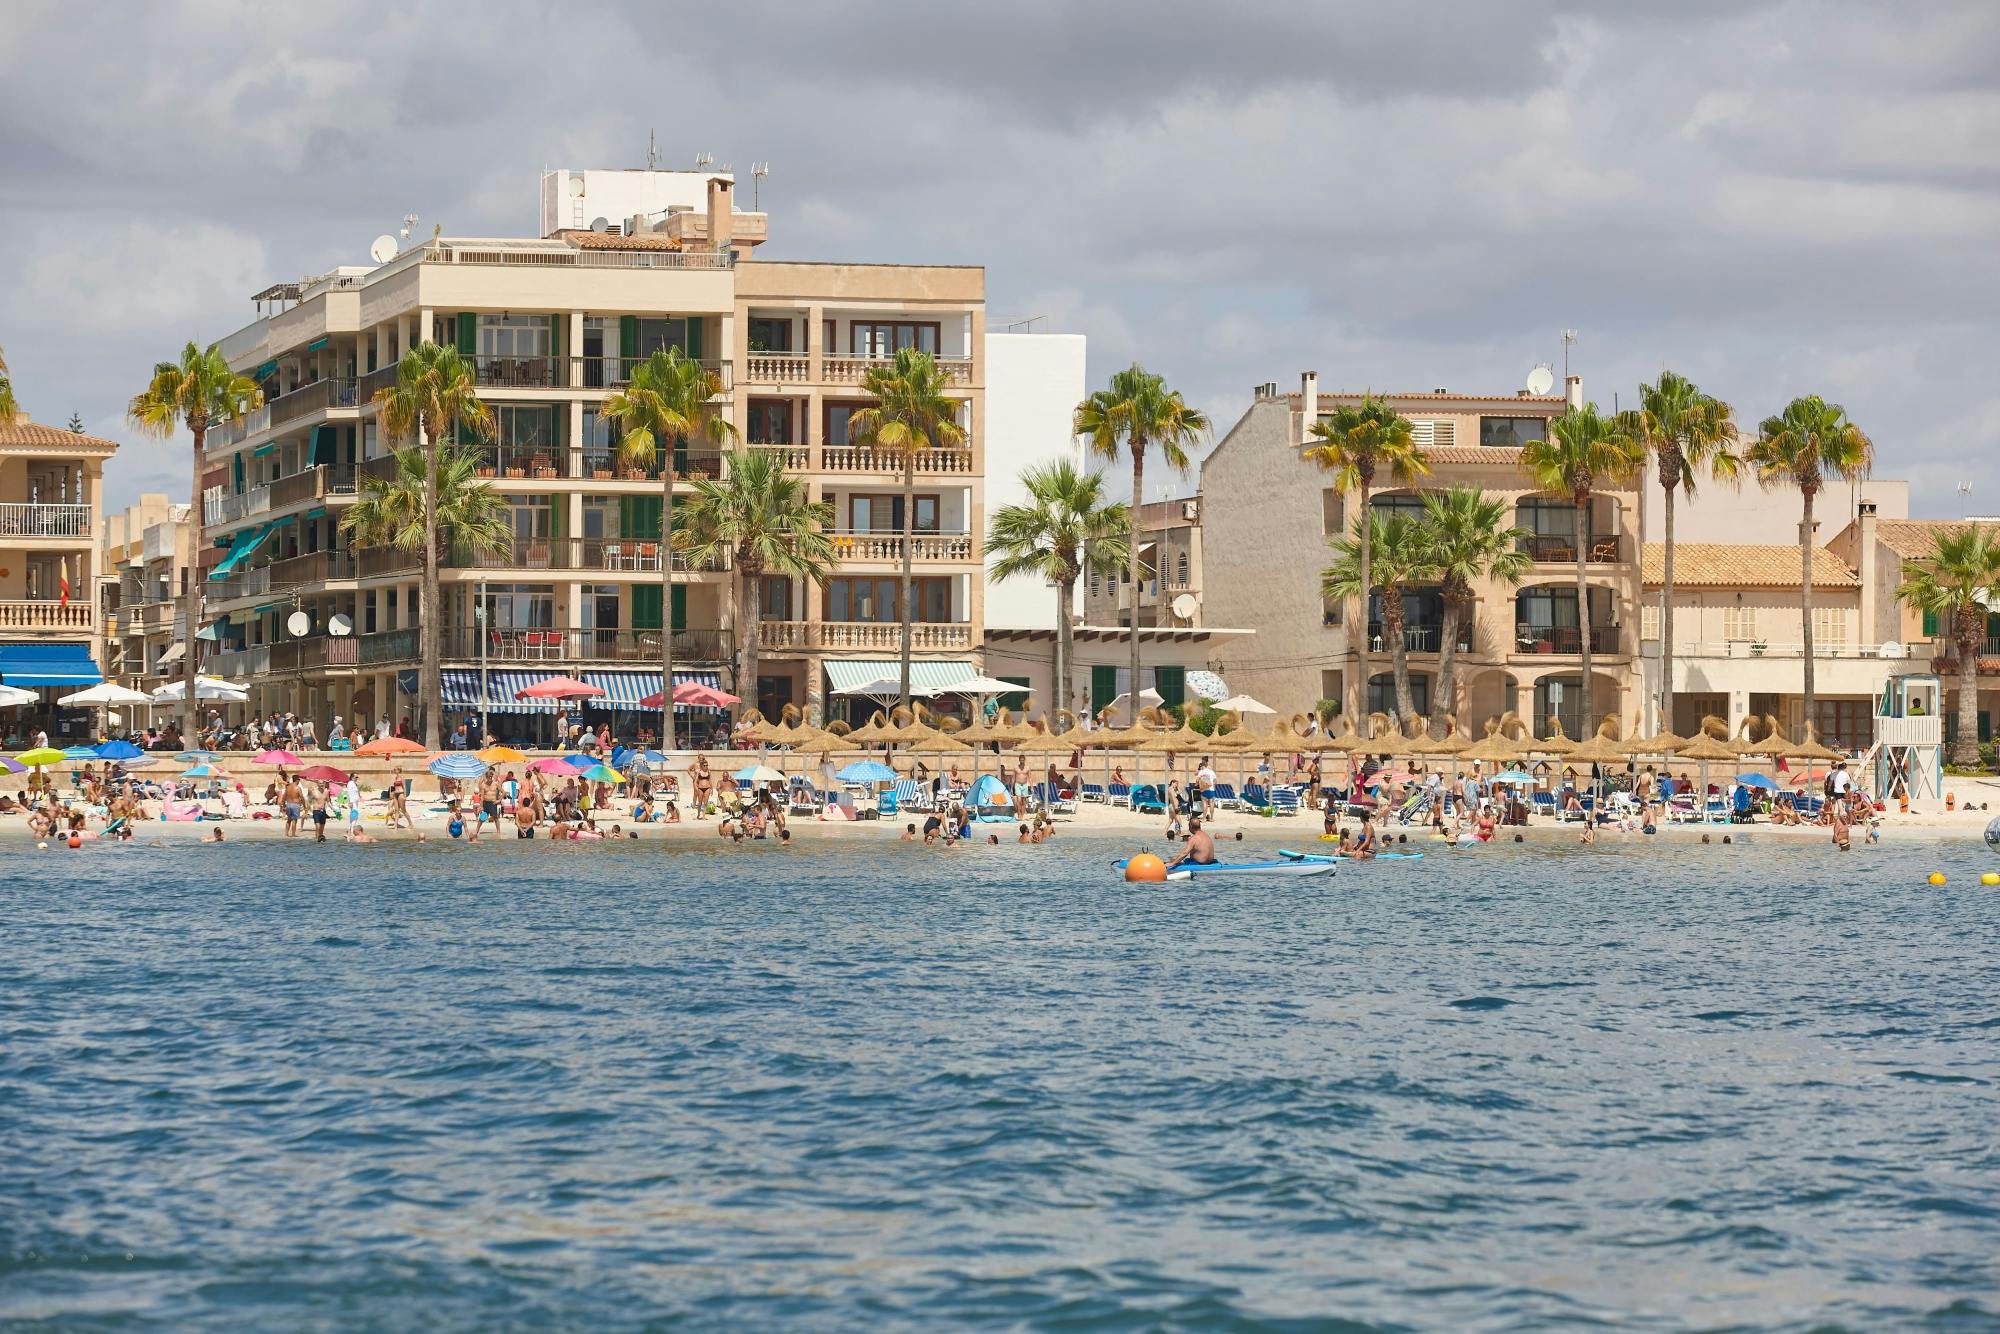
(667,605)
(1065,595)
(1447,696)
(1667,620)
(1399,653)
(1588,718)
(1367,590)
(1971,638)
(431,700)
(1806,597)
(750,610)
(1138,489)
(909,513)
(191,600)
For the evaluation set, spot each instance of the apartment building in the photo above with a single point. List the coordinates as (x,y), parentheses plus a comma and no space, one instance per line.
(629,262)
(148,561)
(49,564)
(1168,534)
(1266,515)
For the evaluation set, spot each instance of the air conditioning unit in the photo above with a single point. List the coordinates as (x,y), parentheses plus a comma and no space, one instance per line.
(1191,510)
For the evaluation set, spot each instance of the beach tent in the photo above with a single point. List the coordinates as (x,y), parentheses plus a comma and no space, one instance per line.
(989,799)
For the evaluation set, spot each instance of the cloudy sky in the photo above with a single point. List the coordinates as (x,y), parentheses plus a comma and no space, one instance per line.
(1774,198)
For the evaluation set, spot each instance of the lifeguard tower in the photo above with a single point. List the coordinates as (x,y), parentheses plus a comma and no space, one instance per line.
(1909,741)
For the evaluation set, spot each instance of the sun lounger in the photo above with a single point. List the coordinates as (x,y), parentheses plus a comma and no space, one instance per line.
(1147,800)
(1093,792)
(1224,795)
(1284,801)
(1120,794)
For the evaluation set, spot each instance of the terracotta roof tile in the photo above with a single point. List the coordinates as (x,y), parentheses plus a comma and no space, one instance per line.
(1743,565)
(22,433)
(606,241)
(1912,537)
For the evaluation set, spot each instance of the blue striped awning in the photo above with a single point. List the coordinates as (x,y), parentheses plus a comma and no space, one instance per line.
(623,689)
(33,665)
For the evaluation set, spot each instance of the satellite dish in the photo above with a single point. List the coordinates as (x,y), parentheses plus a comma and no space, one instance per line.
(299,624)
(600,224)
(1541,380)
(1889,649)
(339,624)
(576,185)
(384,249)
(1184,606)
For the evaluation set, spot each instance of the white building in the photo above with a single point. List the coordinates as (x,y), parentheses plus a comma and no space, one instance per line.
(1033,383)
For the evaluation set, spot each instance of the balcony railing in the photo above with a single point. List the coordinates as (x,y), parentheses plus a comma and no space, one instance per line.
(793,458)
(314,483)
(308,399)
(373,562)
(924,636)
(612,554)
(530,254)
(239,664)
(17,520)
(387,646)
(1564,639)
(1561,549)
(889,546)
(512,647)
(46,614)
(1418,638)
(778,367)
(549,372)
(1759,648)
(858,458)
(548,462)
(851,369)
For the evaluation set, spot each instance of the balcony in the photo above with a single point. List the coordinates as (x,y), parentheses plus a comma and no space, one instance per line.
(613,555)
(1564,640)
(575,372)
(930,462)
(308,399)
(793,458)
(47,614)
(852,370)
(145,618)
(513,647)
(778,368)
(925,636)
(924,547)
(1561,549)
(60,521)
(548,254)
(513,463)
(315,483)
(1418,638)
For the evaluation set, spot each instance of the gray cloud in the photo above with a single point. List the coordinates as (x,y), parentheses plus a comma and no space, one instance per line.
(1775,197)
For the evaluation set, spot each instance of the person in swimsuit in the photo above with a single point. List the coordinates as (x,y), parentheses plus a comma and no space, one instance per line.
(1483,828)
(1364,844)
(1200,849)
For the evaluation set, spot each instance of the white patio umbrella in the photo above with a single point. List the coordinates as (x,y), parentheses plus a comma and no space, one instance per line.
(206,687)
(1242,704)
(1149,698)
(885,690)
(108,692)
(12,697)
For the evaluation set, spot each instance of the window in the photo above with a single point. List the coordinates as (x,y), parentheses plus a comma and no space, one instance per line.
(1332,513)
(770,422)
(1330,685)
(1845,724)
(855,599)
(770,334)
(514,336)
(1181,569)
(599,604)
(838,418)
(1330,611)
(1408,504)
(1739,624)
(524,426)
(1546,608)
(657,334)
(776,594)
(884,514)
(1512,432)
(600,518)
(1433,434)
(1096,583)
(529,516)
(520,606)
(1382,693)
(1829,628)
(870,338)
(1563,697)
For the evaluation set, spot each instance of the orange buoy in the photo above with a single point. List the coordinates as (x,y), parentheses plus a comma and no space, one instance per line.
(1145,869)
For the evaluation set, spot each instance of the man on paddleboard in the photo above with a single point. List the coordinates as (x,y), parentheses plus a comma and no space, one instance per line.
(1200,849)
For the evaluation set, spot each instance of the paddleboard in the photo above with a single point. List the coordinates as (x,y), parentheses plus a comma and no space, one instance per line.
(1288,867)
(1289,855)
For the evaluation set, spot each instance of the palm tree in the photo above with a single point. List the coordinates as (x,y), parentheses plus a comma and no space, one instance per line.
(198,391)
(1692,433)
(1954,583)
(1067,527)
(1801,445)
(1134,413)
(436,394)
(765,521)
(1583,449)
(1400,553)
(472,518)
(1469,540)
(911,412)
(10,407)
(1358,442)
(670,399)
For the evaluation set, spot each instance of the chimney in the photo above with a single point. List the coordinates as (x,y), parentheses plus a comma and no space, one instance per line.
(721,213)
(1308,403)
(1573,390)
(1865,565)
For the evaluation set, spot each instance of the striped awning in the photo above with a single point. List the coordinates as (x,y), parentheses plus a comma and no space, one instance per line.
(623,689)
(925,673)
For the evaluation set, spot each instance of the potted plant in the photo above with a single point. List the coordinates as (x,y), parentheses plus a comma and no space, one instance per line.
(513,471)
(485,470)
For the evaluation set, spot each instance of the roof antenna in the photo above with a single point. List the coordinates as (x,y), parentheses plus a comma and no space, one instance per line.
(652,153)
(758,171)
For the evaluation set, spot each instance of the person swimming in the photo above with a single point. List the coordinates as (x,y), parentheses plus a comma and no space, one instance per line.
(1200,849)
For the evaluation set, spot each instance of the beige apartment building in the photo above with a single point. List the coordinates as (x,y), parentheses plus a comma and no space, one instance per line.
(49,566)
(1168,533)
(147,558)
(554,323)
(1267,513)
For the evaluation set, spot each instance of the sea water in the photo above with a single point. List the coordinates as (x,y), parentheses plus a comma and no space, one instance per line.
(860,1084)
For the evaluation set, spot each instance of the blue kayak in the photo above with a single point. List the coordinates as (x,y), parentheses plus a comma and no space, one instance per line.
(1287,867)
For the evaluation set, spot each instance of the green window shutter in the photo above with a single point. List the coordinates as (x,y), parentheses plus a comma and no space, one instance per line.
(1103,687)
(645,606)
(239,488)
(1930,623)
(468,334)
(640,516)
(1017,700)
(680,606)
(371,355)
(558,516)
(628,337)
(558,326)
(1985,727)
(1171,682)
(322,445)
(693,340)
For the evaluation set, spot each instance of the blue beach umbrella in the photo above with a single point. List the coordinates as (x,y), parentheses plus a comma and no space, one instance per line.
(120,749)
(199,756)
(81,753)
(580,762)
(203,771)
(1513,776)
(867,771)
(1765,781)
(458,765)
